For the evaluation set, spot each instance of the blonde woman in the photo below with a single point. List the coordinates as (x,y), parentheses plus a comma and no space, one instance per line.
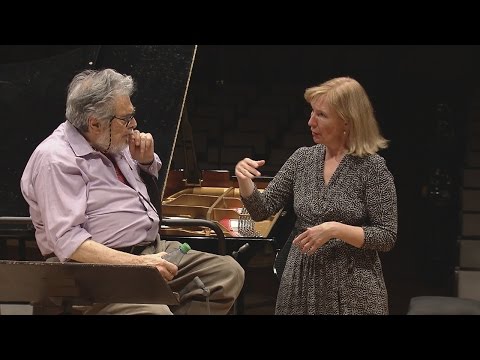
(345,201)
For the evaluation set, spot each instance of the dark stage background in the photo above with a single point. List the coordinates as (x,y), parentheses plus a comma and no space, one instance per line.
(422,96)
(33,85)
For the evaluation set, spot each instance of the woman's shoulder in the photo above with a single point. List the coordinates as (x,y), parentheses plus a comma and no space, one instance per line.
(370,159)
(375,159)
(368,164)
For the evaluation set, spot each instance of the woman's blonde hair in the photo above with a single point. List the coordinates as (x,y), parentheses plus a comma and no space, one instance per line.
(349,99)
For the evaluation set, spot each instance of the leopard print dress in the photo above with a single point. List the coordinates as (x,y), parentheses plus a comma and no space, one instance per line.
(338,278)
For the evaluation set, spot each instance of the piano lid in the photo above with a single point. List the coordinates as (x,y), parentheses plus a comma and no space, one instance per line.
(33,85)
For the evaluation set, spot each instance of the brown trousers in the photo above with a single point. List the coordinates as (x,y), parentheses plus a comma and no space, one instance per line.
(222,275)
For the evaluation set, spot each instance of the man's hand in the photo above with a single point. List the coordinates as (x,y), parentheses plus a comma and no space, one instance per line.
(167,269)
(141,147)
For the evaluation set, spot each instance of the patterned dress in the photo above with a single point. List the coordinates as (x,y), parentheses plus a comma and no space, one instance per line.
(338,278)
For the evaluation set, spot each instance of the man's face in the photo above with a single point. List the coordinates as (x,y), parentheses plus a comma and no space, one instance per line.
(122,125)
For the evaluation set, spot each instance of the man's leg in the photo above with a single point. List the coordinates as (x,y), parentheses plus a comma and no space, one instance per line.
(222,276)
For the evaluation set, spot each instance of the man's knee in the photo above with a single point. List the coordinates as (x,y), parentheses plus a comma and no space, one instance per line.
(233,270)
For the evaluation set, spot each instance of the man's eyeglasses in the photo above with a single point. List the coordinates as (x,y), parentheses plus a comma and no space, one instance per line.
(127,118)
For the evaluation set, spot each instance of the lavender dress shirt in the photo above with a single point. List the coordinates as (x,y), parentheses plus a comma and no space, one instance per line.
(73,194)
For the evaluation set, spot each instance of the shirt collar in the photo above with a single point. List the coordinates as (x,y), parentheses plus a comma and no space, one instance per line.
(77,141)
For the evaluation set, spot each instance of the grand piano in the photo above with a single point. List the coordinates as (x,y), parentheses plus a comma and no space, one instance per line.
(201,207)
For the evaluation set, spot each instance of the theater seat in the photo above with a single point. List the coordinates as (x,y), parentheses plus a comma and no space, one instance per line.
(443,305)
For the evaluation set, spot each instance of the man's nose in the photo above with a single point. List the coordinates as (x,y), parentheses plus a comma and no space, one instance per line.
(133,124)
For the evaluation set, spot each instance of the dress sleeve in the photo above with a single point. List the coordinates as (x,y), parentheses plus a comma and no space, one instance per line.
(381,202)
(277,194)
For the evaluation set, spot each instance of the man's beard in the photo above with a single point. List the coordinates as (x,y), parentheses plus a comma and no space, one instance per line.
(104,140)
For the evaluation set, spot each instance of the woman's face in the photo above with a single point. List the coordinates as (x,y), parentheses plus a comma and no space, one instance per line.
(326,126)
